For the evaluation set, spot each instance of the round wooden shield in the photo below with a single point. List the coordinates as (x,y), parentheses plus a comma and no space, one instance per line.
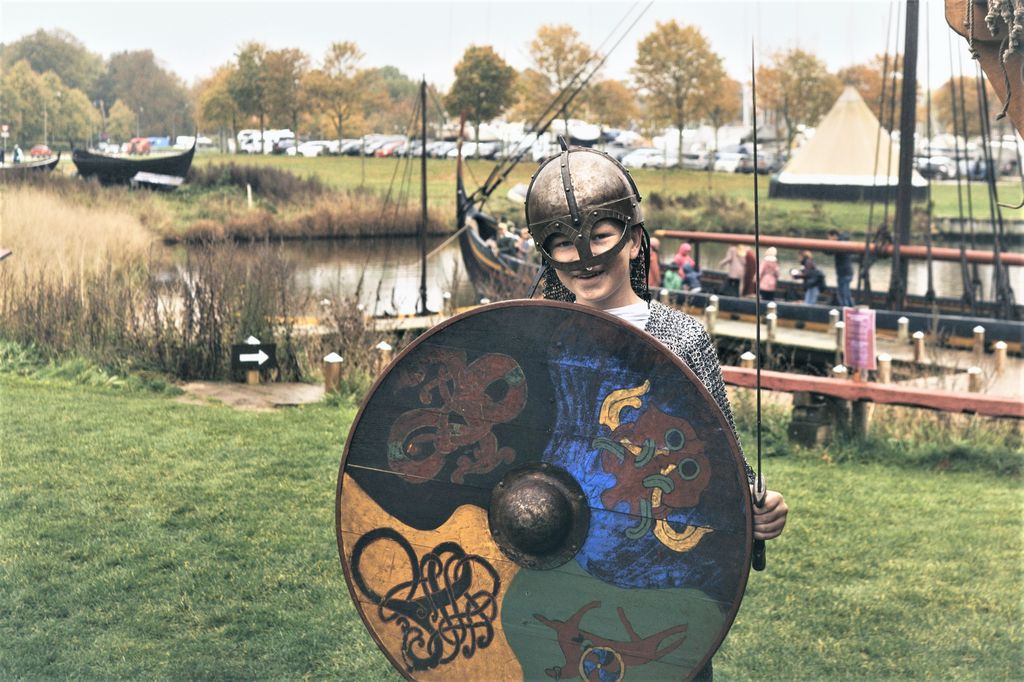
(538,490)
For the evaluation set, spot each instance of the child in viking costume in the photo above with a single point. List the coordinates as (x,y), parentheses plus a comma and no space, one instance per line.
(583,211)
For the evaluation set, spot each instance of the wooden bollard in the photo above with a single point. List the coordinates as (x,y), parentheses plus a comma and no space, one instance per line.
(710,317)
(773,308)
(773,322)
(1000,355)
(918,347)
(979,343)
(485,301)
(332,372)
(383,356)
(903,329)
(252,377)
(840,328)
(747,360)
(974,379)
(833,317)
(884,368)
(713,300)
(840,372)
(663,297)
(860,410)
(446,305)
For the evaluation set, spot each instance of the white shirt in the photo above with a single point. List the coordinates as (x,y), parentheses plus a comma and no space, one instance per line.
(636,314)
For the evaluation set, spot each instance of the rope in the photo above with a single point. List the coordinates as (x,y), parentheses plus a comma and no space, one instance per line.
(975,282)
(758,558)
(930,292)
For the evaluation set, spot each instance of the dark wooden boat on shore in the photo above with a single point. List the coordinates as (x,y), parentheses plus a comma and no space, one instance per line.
(114,170)
(18,169)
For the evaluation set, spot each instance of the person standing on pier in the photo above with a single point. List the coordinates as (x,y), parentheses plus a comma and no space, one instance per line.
(735,262)
(769,274)
(814,279)
(844,270)
(749,272)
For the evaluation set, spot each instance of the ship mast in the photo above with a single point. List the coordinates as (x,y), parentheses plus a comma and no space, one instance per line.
(904,210)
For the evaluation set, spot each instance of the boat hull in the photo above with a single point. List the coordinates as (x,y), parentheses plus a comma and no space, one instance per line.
(111,170)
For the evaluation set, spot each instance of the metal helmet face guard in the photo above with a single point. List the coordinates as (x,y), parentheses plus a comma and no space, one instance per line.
(572,192)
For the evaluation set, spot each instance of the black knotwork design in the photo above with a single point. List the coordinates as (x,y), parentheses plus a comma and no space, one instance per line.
(440,616)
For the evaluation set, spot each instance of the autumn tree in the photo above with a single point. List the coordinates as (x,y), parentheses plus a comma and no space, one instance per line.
(869,79)
(72,118)
(121,122)
(725,104)
(283,71)
(962,93)
(156,95)
(797,88)
(483,86)
(60,52)
(40,107)
(677,73)
(215,108)
(612,103)
(559,59)
(247,84)
(339,89)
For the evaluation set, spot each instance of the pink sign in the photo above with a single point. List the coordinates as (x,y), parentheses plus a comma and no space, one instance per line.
(859,345)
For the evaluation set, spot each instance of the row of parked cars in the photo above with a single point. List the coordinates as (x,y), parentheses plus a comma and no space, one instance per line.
(734,159)
(383,146)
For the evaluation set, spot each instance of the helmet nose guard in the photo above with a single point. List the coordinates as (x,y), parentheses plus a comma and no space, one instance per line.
(571,196)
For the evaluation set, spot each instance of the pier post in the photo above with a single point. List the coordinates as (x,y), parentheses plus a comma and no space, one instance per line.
(974,379)
(840,329)
(773,322)
(446,305)
(663,297)
(710,317)
(903,329)
(332,372)
(1000,356)
(979,343)
(840,372)
(833,317)
(860,410)
(884,368)
(773,308)
(383,358)
(252,377)
(747,360)
(919,347)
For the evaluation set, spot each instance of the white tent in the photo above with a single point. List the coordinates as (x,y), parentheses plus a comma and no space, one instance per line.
(850,157)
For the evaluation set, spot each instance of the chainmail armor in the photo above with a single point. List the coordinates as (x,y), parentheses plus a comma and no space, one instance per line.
(687,338)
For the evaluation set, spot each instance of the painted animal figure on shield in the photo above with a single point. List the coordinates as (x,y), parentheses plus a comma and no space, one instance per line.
(659,465)
(592,657)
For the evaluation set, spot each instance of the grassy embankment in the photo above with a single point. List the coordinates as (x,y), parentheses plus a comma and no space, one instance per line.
(145,538)
(329,197)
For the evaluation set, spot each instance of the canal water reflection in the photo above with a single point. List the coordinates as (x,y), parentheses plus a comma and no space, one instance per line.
(387,271)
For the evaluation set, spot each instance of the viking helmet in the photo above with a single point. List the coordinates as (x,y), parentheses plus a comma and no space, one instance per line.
(570,193)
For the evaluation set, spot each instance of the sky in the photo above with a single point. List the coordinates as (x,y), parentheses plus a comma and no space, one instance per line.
(428,38)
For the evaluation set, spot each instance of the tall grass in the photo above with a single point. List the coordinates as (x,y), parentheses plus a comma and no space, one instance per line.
(84,283)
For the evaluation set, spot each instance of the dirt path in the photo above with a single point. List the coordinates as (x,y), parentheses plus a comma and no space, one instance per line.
(261,398)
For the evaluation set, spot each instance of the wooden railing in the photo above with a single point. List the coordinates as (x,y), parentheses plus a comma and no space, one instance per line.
(890,394)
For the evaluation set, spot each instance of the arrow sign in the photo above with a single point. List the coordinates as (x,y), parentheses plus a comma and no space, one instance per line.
(251,356)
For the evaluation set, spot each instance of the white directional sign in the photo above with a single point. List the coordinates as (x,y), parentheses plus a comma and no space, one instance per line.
(253,356)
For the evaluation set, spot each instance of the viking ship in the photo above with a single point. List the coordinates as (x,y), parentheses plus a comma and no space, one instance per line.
(19,169)
(112,170)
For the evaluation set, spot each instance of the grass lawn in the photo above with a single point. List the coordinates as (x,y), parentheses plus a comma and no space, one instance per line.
(777,214)
(142,538)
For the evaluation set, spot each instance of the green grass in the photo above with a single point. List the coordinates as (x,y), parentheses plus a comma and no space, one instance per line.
(780,215)
(142,538)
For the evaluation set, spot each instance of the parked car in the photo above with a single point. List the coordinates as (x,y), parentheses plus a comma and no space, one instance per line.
(40,150)
(283,145)
(388,148)
(696,160)
(726,162)
(937,167)
(639,158)
(767,162)
(311,148)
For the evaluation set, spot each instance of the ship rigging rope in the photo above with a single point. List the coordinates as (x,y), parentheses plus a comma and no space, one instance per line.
(868,258)
(930,292)
(1011,12)
(975,280)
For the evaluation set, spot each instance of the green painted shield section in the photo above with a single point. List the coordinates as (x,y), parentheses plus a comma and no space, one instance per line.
(552,618)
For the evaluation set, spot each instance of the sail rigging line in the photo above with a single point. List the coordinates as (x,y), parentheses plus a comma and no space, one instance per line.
(892,119)
(866,258)
(967,289)
(394,174)
(1003,292)
(550,114)
(930,291)
(975,284)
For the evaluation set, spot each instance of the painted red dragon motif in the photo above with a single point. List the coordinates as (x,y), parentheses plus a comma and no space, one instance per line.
(659,466)
(462,404)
